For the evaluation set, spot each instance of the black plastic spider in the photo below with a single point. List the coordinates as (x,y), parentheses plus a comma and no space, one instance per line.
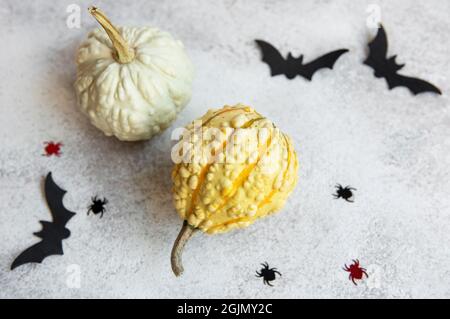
(344,192)
(98,206)
(267,273)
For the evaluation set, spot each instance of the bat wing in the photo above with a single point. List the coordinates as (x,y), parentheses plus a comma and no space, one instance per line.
(377,49)
(54,196)
(272,57)
(38,252)
(325,61)
(387,68)
(415,85)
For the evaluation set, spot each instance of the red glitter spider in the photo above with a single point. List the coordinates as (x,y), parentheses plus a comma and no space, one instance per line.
(52,148)
(356,272)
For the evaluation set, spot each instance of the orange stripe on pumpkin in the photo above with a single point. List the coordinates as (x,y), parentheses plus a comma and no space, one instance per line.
(204,171)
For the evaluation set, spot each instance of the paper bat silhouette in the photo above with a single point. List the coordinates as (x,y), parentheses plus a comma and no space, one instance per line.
(387,67)
(291,67)
(52,233)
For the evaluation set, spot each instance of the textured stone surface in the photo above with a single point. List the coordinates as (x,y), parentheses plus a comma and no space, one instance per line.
(346,126)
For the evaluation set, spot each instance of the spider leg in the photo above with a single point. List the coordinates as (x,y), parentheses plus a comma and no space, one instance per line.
(353,279)
(336,196)
(265,265)
(346,268)
(101,214)
(89,210)
(277,272)
(356,261)
(364,272)
(352,188)
(105,201)
(268,282)
(348,200)
(338,186)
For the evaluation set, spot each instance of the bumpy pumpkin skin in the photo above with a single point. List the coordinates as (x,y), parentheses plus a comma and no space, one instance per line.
(135,100)
(218,196)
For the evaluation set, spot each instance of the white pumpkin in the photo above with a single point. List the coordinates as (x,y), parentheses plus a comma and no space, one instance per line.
(132,82)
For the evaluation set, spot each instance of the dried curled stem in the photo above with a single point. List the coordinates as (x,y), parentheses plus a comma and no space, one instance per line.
(186,232)
(124,54)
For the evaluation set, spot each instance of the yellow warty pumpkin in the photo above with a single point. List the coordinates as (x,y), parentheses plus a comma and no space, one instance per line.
(235,168)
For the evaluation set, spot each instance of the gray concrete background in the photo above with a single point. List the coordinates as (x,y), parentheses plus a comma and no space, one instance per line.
(346,126)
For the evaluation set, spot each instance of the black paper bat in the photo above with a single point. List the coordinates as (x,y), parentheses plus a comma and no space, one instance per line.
(52,233)
(291,67)
(387,67)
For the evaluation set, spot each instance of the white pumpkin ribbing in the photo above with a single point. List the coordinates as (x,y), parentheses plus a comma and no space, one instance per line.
(134,100)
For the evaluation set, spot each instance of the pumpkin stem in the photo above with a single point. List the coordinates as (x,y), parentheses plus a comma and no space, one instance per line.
(124,54)
(185,233)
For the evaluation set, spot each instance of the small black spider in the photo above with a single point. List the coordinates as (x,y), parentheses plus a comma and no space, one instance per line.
(98,206)
(267,273)
(344,192)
